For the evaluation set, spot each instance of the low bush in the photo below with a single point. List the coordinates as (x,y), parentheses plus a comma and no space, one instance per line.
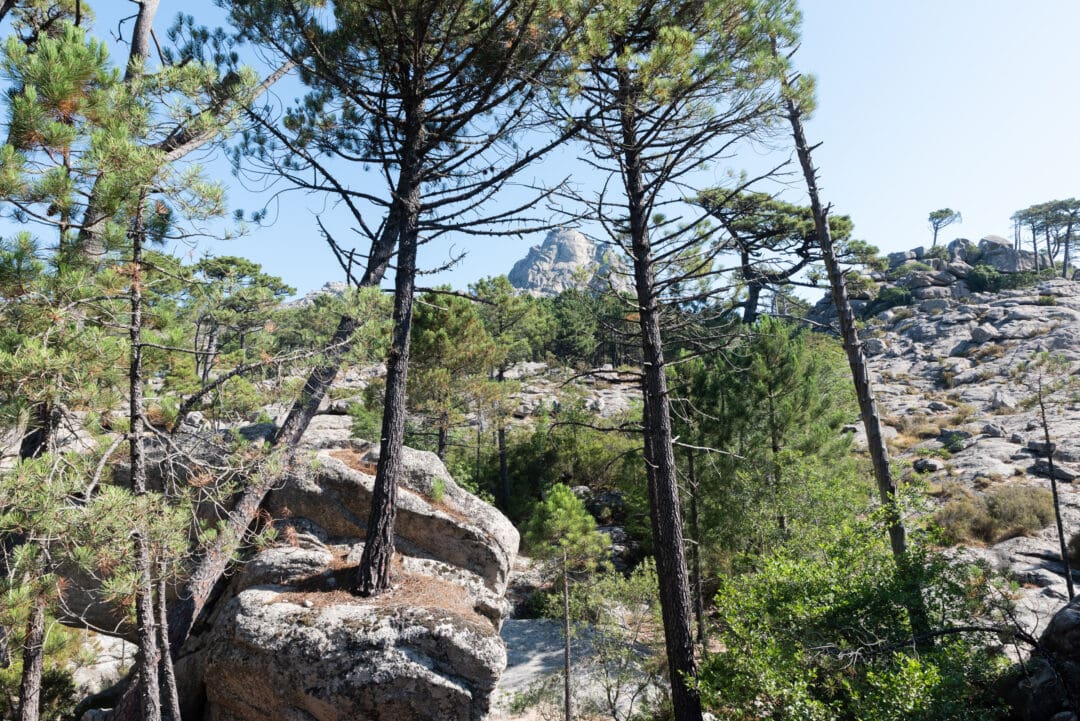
(987,279)
(888,297)
(1005,513)
(807,639)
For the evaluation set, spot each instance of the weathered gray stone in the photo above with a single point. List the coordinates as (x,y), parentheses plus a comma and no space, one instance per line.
(962,249)
(898,259)
(435,515)
(959,268)
(1061,471)
(984,332)
(929,292)
(874,346)
(1002,400)
(273,658)
(562,260)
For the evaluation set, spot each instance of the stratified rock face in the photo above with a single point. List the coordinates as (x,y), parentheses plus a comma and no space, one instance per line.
(291,643)
(567,259)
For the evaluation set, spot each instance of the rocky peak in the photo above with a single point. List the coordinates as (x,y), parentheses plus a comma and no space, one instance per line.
(567,259)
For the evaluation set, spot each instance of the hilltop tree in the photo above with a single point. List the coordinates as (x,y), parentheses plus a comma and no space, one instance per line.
(940,219)
(673,85)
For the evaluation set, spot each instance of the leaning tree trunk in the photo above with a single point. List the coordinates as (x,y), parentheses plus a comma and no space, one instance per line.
(170,694)
(1062,544)
(33,661)
(664,509)
(860,373)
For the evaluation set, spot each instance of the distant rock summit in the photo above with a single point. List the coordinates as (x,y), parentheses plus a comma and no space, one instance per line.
(567,259)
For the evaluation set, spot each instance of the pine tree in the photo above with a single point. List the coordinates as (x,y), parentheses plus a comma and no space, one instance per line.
(562,532)
(671,85)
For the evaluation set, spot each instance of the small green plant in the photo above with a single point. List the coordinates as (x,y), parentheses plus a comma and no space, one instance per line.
(1046,300)
(438,490)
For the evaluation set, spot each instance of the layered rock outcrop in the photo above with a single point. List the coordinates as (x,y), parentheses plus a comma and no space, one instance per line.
(290,643)
(944,272)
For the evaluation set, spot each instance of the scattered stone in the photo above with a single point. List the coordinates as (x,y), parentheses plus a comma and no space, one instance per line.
(874,346)
(928,465)
(1002,400)
(984,333)
(1041,448)
(938,406)
(993,431)
(955,439)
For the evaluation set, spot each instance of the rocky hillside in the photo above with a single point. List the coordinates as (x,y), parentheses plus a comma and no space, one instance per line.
(566,259)
(959,417)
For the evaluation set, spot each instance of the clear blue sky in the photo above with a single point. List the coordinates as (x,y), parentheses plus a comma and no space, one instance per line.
(922,104)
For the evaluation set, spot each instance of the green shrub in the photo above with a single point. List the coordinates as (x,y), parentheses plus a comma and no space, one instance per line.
(1046,300)
(1006,513)
(987,279)
(888,297)
(984,279)
(938,252)
(801,638)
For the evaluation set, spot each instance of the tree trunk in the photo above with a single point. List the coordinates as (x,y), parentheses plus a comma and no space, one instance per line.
(33,661)
(442,440)
(149,691)
(1035,247)
(373,576)
(664,511)
(695,550)
(860,374)
(504,468)
(169,692)
(774,463)
(1067,257)
(753,294)
(567,703)
(374,573)
(41,435)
